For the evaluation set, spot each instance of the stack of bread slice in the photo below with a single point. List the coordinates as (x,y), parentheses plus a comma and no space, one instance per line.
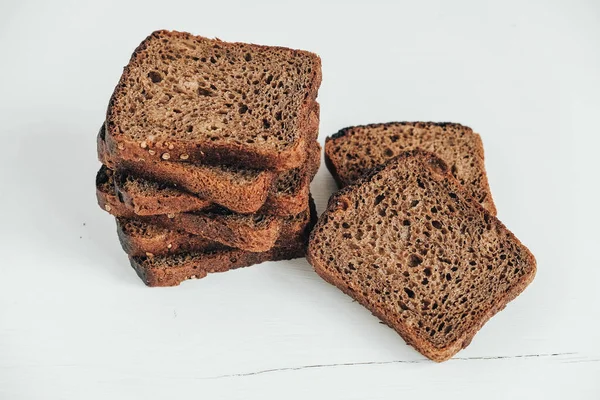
(208,151)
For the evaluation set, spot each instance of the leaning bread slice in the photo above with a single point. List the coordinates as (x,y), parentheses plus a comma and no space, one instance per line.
(408,243)
(211,101)
(355,150)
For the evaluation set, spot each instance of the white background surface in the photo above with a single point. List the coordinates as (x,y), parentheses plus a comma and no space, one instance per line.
(77,323)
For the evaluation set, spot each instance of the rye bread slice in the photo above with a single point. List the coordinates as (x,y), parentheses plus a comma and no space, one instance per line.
(215,102)
(353,151)
(412,246)
(287,196)
(139,238)
(252,232)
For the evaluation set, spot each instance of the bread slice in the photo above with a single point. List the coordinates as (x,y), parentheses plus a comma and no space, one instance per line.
(203,100)
(139,238)
(354,151)
(253,232)
(171,270)
(287,196)
(411,245)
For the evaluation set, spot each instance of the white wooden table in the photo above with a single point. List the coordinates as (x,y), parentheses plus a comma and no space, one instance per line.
(77,323)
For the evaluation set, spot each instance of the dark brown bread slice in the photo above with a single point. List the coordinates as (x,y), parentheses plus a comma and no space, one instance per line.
(354,151)
(247,232)
(139,238)
(287,196)
(212,101)
(412,246)
(171,270)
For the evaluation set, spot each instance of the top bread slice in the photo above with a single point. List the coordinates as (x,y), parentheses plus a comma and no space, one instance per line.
(185,97)
(353,151)
(411,245)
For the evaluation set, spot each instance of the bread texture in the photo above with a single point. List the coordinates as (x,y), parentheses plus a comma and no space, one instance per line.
(185,97)
(411,245)
(354,151)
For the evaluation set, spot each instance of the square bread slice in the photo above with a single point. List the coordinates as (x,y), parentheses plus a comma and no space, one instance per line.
(353,151)
(252,232)
(186,97)
(411,245)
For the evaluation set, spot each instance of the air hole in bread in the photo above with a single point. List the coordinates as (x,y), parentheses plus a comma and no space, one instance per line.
(155,77)
(414,260)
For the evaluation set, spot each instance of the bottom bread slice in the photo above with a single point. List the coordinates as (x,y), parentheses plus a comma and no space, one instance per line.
(174,269)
